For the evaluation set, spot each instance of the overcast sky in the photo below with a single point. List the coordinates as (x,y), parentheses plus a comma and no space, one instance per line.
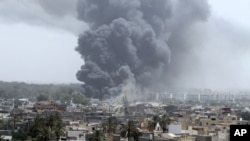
(37,42)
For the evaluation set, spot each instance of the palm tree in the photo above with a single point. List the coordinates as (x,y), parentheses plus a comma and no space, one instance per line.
(20,135)
(136,134)
(97,136)
(164,121)
(50,121)
(130,131)
(15,114)
(46,134)
(55,123)
(41,125)
(150,125)
(110,125)
(59,129)
(37,124)
(153,122)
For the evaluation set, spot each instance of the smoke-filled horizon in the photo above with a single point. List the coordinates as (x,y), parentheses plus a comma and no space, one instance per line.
(193,48)
(135,45)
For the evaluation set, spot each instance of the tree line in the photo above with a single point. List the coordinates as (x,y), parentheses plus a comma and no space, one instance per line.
(63,92)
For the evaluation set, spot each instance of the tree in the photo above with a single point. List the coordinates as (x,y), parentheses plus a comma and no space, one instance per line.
(20,135)
(57,125)
(245,115)
(65,98)
(153,122)
(17,103)
(36,125)
(164,121)
(15,114)
(42,97)
(46,134)
(110,125)
(97,136)
(41,125)
(130,131)
(150,125)
(79,98)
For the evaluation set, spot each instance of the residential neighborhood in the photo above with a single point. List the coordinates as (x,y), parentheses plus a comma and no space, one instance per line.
(124,70)
(155,120)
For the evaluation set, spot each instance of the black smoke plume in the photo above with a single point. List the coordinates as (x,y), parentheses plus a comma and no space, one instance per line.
(139,42)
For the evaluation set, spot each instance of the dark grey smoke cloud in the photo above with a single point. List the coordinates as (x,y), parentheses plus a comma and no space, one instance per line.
(134,41)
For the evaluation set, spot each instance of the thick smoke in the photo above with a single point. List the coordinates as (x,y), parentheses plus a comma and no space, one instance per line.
(138,42)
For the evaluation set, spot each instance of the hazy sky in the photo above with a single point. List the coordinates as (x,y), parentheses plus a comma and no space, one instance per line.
(37,41)
(236,12)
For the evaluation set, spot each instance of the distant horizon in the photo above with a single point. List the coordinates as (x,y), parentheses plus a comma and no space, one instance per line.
(42,83)
(180,88)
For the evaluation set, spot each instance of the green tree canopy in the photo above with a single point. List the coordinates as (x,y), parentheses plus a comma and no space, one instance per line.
(130,131)
(42,97)
(76,97)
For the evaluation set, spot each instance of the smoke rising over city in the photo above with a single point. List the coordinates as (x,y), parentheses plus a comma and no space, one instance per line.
(134,45)
(127,46)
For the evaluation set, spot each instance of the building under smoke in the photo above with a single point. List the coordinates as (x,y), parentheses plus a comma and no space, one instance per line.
(134,46)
